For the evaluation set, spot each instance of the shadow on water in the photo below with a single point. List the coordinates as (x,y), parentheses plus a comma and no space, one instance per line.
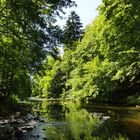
(71,121)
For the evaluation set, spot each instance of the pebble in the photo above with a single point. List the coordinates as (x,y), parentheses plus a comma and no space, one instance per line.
(15,127)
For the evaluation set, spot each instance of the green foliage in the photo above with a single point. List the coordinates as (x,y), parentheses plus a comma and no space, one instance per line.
(41,82)
(57,85)
(49,84)
(106,61)
(27,33)
(53,84)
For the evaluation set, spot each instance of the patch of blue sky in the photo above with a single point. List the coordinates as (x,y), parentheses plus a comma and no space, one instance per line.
(86,9)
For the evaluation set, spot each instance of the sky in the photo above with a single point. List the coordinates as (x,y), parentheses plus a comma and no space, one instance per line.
(86,9)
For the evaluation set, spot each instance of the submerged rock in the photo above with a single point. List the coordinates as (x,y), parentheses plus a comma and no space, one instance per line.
(17,124)
(6,131)
(42,120)
(19,133)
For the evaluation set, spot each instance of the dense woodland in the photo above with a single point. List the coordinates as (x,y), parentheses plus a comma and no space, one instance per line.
(99,63)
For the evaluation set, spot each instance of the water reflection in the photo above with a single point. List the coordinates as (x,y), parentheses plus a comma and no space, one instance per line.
(70,121)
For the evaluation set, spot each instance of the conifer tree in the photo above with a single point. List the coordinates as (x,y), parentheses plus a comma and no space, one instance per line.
(73,30)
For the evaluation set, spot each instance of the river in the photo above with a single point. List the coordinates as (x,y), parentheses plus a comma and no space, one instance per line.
(73,121)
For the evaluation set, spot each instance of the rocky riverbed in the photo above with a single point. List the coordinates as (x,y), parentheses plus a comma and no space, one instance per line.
(17,125)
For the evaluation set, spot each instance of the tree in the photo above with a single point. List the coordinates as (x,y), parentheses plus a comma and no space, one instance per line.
(49,84)
(72,30)
(55,78)
(106,61)
(26,34)
(104,65)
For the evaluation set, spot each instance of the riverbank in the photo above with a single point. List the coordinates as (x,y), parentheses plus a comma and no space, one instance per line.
(17,123)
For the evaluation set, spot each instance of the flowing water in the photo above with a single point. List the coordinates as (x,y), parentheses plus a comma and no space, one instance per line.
(73,121)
